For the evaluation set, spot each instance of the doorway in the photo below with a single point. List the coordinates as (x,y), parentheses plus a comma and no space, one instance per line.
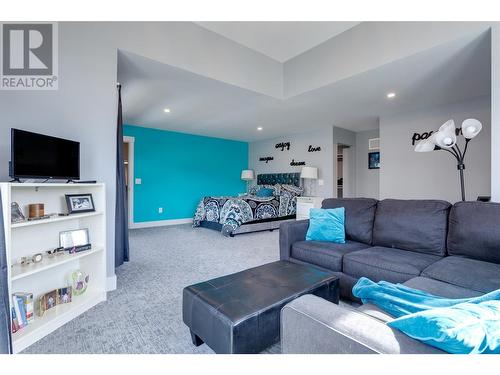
(128,160)
(345,176)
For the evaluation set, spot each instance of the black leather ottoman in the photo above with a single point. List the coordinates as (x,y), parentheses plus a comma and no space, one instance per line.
(240,313)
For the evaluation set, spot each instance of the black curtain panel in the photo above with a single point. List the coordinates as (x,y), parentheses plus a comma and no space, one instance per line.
(5,343)
(121,209)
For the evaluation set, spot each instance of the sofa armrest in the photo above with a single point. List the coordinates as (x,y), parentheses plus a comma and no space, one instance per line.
(311,325)
(291,232)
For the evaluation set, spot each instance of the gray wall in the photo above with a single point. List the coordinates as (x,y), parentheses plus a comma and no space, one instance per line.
(323,159)
(84,107)
(405,173)
(367,180)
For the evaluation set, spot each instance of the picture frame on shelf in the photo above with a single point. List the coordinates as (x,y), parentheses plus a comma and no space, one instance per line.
(16,214)
(374,160)
(79,203)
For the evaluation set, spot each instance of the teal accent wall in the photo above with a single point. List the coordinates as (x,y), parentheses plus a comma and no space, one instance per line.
(178,169)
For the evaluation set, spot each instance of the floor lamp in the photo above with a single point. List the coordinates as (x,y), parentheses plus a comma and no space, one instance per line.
(446,139)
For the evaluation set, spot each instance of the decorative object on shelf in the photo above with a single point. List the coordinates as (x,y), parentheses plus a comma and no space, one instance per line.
(16,215)
(267,159)
(80,282)
(54,298)
(283,145)
(64,295)
(309,174)
(446,139)
(37,258)
(313,149)
(75,241)
(36,210)
(79,203)
(247,175)
(56,251)
(294,163)
(374,160)
(46,302)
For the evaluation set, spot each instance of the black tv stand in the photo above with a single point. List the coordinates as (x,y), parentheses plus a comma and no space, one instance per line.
(16,180)
(81,182)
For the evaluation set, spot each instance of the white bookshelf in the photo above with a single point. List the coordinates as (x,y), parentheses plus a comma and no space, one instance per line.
(31,237)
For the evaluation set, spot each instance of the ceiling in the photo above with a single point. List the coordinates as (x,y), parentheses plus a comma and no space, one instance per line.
(280,41)
(445,74)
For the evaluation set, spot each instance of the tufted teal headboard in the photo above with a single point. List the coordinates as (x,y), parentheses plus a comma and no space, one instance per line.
(278,178)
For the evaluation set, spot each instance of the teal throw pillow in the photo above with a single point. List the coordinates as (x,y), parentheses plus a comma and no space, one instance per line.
(326,225)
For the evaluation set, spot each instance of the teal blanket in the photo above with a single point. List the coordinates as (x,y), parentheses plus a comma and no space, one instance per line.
(399,300)
(467,325)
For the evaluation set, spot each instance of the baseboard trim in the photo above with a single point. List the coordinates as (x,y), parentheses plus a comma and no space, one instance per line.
(160,223)
(111,283)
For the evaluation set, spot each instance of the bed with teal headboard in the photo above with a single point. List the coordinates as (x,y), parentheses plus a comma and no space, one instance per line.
(268,204)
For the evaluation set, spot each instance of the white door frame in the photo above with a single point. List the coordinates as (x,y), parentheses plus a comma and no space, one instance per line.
(130,193)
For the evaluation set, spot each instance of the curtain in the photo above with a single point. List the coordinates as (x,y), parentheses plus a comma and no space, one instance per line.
(5,343)
(121,209)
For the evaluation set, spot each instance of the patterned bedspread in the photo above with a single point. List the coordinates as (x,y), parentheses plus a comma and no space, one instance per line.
(232,212)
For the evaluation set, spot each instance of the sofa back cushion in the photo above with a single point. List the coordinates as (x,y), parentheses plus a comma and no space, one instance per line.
(474,231)
(359,216)
(414,225)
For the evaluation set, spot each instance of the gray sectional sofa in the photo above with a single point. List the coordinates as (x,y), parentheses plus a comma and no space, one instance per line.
(448,250)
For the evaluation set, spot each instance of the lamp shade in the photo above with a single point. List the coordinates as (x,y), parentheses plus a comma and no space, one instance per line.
(247,175)
(446,136)
(426,145)
(471,127)
(309,172)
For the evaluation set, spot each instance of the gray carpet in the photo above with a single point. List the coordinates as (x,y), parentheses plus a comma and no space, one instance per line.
(144,314)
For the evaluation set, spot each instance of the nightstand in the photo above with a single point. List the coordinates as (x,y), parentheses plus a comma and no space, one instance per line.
(304,204)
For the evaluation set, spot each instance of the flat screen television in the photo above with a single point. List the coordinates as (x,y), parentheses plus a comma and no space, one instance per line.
(41,156)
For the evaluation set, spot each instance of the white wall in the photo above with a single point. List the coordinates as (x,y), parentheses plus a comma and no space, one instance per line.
(407,174)
(367,180)
(84,107)
(299,144)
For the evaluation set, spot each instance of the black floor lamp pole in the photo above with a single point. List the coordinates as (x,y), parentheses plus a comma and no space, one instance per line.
(460,156)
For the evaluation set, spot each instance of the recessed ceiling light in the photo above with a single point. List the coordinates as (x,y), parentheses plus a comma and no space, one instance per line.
(259,128)
(166,110)
(391,95)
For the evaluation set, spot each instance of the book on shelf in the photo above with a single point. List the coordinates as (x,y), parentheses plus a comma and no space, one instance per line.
(22,310)
(15,325)
(27,299)
(20,313)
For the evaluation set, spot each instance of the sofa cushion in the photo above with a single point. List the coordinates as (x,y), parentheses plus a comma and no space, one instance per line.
(383,263)
(359,215)
(415,225)
(465,272)
(324,254)
(474,230)
(440,288)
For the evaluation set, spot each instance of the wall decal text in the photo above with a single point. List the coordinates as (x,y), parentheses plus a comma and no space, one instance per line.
(266,159)
(313,149)
(422,136)
(294,163)
(283,145)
